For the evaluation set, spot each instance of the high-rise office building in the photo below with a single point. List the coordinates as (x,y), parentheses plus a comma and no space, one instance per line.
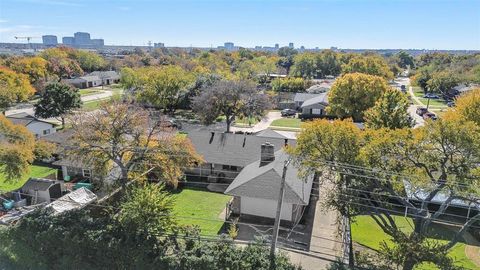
(82,39)
(158,45)
(290,45)
(97,42)
(69,41)
(49,40)
(229,46)
(277,46)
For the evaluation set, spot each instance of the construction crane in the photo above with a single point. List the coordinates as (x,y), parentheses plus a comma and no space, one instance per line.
(28,40)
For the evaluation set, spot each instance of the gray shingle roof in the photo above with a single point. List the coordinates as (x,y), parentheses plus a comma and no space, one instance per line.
(264,182)
(321,98)
(300,97)
(231,149)
(105,74)
(24,119)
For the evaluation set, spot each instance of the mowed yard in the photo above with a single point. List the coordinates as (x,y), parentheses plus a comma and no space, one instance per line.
(368,234)
(286,123)
(200,208)
(35,172)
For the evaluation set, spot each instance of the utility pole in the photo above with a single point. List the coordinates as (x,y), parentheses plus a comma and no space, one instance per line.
(276,226)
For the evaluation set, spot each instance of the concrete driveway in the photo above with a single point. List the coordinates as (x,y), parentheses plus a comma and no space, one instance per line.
(263,124)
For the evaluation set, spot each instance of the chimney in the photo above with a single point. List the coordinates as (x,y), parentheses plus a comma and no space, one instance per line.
(267,154)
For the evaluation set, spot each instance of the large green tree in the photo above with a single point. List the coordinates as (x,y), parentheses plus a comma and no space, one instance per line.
(354,93)
(57,100)
(390,111)
(371,64)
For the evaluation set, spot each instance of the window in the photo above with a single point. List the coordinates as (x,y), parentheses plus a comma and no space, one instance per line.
(229,168)
(86,173)
(46,132)
(316,111)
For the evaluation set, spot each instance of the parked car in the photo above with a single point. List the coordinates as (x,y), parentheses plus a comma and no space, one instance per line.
(288,112)
(171,123)
(421,111)
(431,95)
(451,103)
(403,88)
(429,115)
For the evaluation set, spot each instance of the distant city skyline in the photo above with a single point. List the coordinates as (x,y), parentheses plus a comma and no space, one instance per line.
(363,24)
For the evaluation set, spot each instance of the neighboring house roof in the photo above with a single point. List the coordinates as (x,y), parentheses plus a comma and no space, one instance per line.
(38,184)
(301,97)
(74,200)
(59,137)
(105,74)
(25,119)
(263,182)
(231,149)
(321,98)
(465,88)
(270,133)
(318,88)
(71,162)
(90,78)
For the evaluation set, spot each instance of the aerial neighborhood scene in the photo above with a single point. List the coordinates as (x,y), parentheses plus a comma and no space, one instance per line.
(276,134)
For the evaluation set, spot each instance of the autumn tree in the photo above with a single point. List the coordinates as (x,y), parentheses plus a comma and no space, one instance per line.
(57,100)
(60,62)
(230,99)
(467,106)
(133,140)
(34,67)
(88,61)
(385,173)
(286,59)
(371,64)
(390,111)
(14,87)
(352,94)
(17,147)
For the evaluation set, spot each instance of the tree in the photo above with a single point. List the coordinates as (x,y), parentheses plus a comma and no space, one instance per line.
(352,94)
(165,87)
(404,59)
(14,87)
(442,82)
(60,62)
(305,66)
(421,79)
(384,166)
(88,61)
(373,65)
(230,99)
(390,111)
(290,84)
(17,147)
(467,106)
(132,139)
(286,58)
(34,67)
(57,100)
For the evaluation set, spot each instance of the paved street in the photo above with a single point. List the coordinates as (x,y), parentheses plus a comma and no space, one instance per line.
(413,108)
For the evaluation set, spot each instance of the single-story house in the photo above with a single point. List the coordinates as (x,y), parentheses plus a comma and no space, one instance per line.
(315,106)
(226,154)
(302,97)
(85,82)
(107,77)
(256,188)
(278,134)
(38,127)
(42,190)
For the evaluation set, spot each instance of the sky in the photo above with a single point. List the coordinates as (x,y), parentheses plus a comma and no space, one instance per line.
(361,24)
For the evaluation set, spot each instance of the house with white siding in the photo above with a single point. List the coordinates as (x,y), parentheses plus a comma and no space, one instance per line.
(38,127)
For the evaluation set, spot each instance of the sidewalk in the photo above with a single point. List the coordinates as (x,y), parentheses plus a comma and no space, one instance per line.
(263,124)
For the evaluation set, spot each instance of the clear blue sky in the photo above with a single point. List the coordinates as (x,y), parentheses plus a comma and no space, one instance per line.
(421,24)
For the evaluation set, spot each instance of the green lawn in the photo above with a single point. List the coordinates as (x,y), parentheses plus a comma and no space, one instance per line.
(287,122)
(434,103)
(202,205)
(246,122)
(93,105)
(35,171)
(367,233)
(88,91)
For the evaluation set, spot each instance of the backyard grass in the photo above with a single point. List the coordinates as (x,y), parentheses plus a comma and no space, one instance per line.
(88,91)
(367,233)
(35,171)
(287,122)
(200,205)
